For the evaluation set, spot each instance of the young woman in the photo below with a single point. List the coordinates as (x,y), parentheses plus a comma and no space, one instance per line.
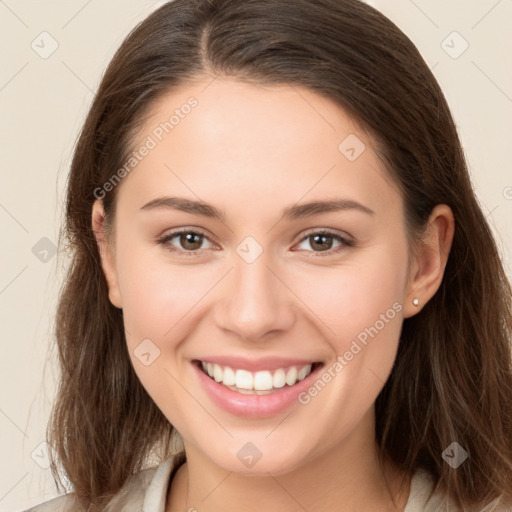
(283,293)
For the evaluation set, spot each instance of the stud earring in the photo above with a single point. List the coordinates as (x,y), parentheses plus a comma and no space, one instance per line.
(416,302)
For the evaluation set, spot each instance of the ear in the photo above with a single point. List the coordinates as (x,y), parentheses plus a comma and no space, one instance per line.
(429,259)
(106,252)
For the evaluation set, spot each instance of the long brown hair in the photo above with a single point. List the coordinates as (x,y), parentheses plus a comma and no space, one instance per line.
(452,379)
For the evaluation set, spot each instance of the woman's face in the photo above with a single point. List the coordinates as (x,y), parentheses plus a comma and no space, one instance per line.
(269,283)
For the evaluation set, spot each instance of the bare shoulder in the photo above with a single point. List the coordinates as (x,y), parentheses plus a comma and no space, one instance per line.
(129,497)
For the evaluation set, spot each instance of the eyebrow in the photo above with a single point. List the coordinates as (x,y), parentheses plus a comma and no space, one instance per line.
(293,212)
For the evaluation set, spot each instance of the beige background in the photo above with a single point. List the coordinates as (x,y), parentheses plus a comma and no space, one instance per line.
(43,102)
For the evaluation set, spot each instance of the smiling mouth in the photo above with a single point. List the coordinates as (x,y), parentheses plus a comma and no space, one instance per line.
(257,383)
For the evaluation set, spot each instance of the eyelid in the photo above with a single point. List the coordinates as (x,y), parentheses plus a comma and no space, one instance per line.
(165,240)
(186,229)
(345,239)
(326,231)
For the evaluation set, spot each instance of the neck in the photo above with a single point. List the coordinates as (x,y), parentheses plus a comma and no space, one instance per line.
(346,477)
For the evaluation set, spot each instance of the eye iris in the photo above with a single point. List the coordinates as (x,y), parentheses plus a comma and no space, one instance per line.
(318,240)
(194,239)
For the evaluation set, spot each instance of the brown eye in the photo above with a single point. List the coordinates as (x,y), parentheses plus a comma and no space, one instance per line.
(325,242)
(191,241)
(321,242)
(185,242)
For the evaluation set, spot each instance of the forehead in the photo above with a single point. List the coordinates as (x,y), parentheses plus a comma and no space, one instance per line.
(286,116)
(227,139)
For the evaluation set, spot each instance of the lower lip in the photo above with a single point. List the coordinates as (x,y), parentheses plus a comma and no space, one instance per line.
(254,406)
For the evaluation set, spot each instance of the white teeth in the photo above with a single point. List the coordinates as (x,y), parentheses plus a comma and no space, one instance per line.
(229,377)
(261,382)
(291,376)
(303,372)
(279,379)
(218,374)
(243,379)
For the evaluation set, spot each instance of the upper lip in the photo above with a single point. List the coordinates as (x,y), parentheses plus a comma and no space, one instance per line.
(254,365)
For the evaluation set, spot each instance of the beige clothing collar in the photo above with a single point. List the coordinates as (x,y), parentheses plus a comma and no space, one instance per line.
(147,491)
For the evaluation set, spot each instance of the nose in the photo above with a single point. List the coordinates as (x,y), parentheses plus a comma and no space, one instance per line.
(256,302)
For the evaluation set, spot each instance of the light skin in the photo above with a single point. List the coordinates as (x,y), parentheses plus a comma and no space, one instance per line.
(251,152)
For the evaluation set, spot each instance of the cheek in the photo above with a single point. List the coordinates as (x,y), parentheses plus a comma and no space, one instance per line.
(158,300)
(359,301)
(158,296)
(362,306)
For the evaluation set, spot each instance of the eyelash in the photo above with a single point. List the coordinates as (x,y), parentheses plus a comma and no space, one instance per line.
(346,242)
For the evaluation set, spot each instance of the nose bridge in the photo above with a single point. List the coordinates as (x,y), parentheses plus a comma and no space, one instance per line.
(256,301)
